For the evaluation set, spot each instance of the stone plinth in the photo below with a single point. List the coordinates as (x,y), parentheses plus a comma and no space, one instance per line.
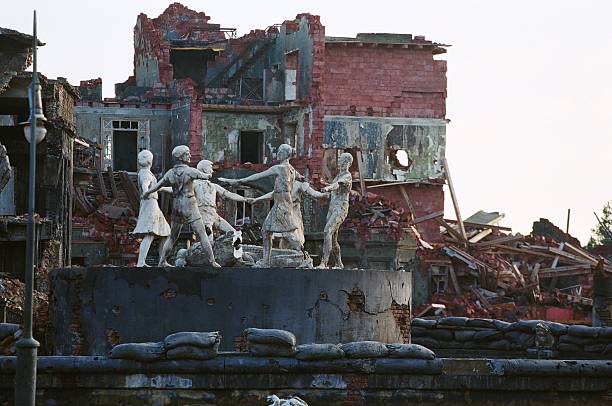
(93,309)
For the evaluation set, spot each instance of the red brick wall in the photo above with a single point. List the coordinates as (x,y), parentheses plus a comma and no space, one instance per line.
(426,199)
(383,82)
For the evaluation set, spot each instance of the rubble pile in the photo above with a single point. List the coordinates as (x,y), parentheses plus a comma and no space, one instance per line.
(493,273)
(106,210)
(12,293)
(374,211)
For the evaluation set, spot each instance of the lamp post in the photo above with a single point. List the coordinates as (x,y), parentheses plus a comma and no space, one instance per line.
(27,346)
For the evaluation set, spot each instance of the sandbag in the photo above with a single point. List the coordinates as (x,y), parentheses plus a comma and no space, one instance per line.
(581,341)
(452,321)
(270,336)
(413,351)
(420,331)
(481,323)
(7,329)
(595,348)
(191,352)
(426,342)
(312,352)
(503,345)
(502,325)
(193,338)
(568,347)
(440,334)
(425,323)
(487,335)
(608,349)
(138,351)
(606,332)
(583,331)
(464,335)
(270,350)
(527,326)
(365,349)
(557,329)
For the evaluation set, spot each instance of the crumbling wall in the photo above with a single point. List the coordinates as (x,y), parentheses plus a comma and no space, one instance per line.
(221,134)
(379,139)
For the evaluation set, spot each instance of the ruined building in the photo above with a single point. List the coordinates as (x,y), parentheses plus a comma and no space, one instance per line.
(54,167)
(233,100)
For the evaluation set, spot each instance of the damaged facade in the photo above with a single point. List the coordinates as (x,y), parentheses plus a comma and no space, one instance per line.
(233,101)
(54,170)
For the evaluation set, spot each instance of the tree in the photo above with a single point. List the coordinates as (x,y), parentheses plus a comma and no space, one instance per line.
(601,232)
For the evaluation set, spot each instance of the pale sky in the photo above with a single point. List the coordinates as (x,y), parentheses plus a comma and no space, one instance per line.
(529,84)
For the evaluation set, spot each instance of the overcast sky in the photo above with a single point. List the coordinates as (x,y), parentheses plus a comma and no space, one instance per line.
(529,84)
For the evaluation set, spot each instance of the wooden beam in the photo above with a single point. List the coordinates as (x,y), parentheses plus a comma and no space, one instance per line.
(500,241)
(428,217)
(480,235)
(454,198)
(408,201)
(111,179)
(449,228)
(480,225)
(453,278)
(482,298)
(130,190)
(360,169)
(101,181)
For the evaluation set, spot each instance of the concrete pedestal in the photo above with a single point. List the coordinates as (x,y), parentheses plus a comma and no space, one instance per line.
(93,309)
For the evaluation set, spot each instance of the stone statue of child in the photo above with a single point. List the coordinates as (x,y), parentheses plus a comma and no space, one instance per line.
(280,219)
(206,195)
(184,204)
(5,167)
(300,189)
(340,189)
(151,221)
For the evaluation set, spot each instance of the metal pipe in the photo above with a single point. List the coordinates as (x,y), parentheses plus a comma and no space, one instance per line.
(27,347)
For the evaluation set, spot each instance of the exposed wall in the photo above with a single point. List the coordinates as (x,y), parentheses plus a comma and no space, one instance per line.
(93,309)
(382,81)
(167,127)
(221,134)
(380,138)
(231,379)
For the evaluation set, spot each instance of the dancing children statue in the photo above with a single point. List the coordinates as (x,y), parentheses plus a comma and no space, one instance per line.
(280,219)
(151,221)
(300,189)
(184,205)
(206,195)
(340,190)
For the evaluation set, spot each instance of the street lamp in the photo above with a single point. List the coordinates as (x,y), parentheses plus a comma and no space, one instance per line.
(27,346)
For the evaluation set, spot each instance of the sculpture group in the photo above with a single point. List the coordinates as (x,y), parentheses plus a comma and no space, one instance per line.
(194,198)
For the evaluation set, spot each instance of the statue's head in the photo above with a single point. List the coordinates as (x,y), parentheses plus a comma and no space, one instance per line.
(206,167)
(3,152)
(284,151)
(345,160)
(181,154)
(145,158)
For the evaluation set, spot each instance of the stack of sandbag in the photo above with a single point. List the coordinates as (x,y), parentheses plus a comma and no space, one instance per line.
(489,334)
(270,342)
(183,345)
(9,334)
(192,345)
(587,339)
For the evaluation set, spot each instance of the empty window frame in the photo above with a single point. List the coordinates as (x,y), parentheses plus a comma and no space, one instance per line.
(250,148)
